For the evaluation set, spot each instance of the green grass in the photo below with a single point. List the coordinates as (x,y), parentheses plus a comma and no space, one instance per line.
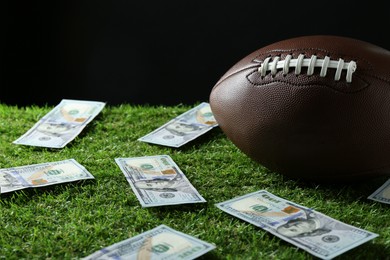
(73,220)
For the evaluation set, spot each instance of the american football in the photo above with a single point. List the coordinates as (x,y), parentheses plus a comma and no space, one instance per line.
(315,108)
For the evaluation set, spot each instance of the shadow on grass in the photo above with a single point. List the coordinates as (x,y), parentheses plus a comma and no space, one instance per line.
(348,191)
(361,252)
(351,191)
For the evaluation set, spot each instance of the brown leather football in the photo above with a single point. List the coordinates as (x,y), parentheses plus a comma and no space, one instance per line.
(312,107)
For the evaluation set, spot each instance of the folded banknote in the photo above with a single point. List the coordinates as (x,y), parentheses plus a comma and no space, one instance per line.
(62,124)
(43,174)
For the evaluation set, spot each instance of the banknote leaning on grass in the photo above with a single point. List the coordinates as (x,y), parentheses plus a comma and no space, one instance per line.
(44,174)
(62,124)
(184,128)
(382,194)
(161,242)
(158,181)
(305,228)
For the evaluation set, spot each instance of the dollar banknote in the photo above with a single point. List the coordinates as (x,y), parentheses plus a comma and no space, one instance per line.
(62,124)
(161,242)
(318,234)
(158,181)
(382,194)
(44,174)
(184,128)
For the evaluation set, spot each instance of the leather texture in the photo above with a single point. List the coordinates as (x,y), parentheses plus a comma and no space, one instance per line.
(310,127)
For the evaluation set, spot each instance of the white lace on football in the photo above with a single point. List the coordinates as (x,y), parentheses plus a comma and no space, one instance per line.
(311,63)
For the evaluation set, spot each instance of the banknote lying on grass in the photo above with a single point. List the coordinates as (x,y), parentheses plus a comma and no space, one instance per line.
(62,124)
(305,228)
(161,242)
(184,128)
(382,194)
(44,174)
(158,181)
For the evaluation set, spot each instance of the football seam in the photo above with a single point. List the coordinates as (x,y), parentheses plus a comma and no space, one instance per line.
(226,76)
(306,85)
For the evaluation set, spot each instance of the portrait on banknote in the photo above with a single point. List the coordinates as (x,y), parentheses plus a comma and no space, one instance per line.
(310,224)
(182,129)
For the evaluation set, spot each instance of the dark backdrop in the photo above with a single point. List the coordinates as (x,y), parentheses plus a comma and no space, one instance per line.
(154,52)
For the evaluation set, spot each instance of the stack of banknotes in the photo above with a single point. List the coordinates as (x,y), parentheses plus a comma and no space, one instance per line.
(158,181)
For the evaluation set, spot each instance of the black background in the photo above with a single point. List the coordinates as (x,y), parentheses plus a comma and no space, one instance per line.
(155,52)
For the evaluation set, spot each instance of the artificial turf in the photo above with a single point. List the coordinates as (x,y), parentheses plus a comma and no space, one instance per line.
(73,220)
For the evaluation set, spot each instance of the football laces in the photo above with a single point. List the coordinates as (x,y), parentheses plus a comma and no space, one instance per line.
(275,64)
